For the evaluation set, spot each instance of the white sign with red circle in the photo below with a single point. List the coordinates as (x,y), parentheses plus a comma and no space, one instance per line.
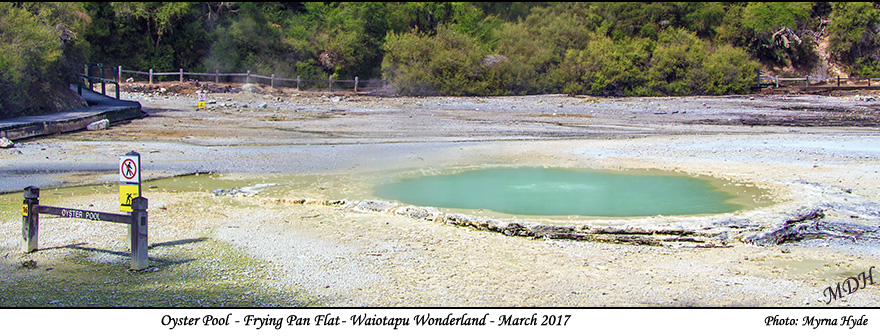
(129,168)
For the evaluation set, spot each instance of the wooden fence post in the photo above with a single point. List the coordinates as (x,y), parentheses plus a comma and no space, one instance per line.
(30,219)
(272,81)
(838,80)
(103,83)
(151,76)
(355,84)
(181,75)
(869,81)
(216,76)
(248,77)
(119,77)
(807,80)
(777,82)
(138,232)
(88,71)
(330,83)
(297,83)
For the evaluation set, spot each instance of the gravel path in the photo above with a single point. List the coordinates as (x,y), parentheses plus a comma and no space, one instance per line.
(268,249)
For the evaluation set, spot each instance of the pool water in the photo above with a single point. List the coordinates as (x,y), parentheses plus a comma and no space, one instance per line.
(560,192)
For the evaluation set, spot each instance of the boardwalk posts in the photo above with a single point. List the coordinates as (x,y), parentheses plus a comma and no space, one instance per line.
(330,83)
(30,220)
(119,77)
(807,81)
(216,76)
(248,77)
(151,76)
(272,81)
(103,84)
(89,77)
(355,84)
(138,233)
(297,83)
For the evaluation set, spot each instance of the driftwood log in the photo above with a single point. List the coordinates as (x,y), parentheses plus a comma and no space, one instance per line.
(809,224)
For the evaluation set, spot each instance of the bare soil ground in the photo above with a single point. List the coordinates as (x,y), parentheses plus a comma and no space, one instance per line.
(803,151)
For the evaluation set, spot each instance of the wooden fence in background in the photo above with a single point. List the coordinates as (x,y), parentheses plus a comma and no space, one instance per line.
(763,80)
(766,80)
(299,83)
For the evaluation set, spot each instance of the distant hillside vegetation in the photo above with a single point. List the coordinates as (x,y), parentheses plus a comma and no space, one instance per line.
(445,48)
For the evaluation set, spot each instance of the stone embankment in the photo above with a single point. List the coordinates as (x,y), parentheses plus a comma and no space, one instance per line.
(799,225)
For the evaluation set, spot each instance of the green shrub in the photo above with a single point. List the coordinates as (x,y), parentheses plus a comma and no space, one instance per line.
(729,70)
(676,59)
(866,67)
(527,56)
(447,63)
(605,67)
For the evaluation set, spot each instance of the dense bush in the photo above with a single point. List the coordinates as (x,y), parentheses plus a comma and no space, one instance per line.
(728,70)
(38,56)
(854,35)
(143,35)
(446,63)
(461,48)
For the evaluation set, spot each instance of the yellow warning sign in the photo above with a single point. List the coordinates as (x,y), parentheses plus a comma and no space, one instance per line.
(201,104)
(24,210)
(127,192)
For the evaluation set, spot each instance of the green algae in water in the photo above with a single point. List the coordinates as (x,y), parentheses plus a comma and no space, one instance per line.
(560,192)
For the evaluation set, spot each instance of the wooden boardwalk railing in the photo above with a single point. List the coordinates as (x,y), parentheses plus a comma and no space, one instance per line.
(271,80)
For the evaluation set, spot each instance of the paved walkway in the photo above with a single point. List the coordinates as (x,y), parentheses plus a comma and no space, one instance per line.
(100,107)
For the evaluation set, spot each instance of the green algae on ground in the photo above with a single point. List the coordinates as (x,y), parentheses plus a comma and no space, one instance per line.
(188,271)
(198,272)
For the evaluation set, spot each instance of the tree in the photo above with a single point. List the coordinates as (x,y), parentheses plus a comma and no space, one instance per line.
(853,34)
(39,52)
(146,35)
(772,31)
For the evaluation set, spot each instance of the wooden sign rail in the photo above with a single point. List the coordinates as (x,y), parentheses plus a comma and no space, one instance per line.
(137,221)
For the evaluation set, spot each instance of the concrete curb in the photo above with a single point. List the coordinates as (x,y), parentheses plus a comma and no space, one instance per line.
(100,107)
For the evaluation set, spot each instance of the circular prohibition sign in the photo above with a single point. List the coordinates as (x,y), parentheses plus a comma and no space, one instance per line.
(128,169)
